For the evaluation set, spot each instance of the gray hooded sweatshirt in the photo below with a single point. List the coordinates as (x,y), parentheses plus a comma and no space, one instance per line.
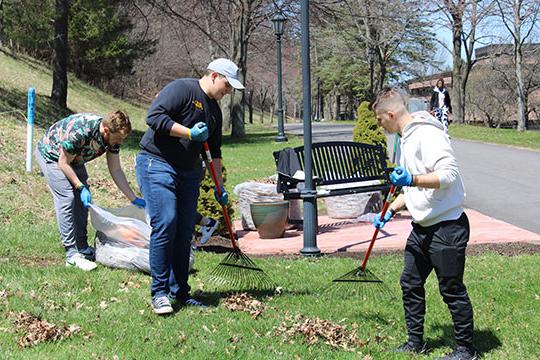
(425,148)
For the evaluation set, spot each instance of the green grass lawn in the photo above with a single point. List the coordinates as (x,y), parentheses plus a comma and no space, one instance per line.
(110,308)
(528,139)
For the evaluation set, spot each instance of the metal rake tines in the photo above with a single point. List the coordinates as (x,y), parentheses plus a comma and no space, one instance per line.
(358,282)
(238,270)
(358,275)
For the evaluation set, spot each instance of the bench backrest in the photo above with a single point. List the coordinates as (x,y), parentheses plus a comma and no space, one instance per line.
(339,162)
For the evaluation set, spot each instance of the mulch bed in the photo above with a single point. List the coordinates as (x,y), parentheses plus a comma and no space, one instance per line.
(221,244)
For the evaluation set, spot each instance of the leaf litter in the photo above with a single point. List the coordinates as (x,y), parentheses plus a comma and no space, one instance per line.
(246,303)
(37,330)
(316,330)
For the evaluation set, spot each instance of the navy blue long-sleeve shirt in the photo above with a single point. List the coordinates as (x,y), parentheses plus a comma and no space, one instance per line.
(184,102)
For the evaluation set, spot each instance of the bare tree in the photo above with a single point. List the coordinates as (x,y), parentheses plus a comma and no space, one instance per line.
(489,97)
(60,81)
(262,93)
(385,36)
(464,17)
(520,19)
(227,27)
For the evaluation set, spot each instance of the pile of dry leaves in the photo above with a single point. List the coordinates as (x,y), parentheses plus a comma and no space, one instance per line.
(315,330)
(244,302)
(37,330)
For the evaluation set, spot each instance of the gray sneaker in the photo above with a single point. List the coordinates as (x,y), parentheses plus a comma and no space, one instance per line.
(207,231)
(161,305)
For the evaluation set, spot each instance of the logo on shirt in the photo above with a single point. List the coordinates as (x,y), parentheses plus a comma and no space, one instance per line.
(198,105)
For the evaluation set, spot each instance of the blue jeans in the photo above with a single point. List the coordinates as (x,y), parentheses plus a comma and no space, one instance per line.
(171,201)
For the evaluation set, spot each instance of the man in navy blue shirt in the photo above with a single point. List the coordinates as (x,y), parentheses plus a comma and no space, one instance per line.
(182,116)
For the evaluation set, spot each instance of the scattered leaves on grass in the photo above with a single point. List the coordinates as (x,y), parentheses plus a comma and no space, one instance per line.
(246,303)
(315,330)
(181,339)
(37,330)
(126,285)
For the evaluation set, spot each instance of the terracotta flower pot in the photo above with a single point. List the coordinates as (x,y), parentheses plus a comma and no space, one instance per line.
(270,218)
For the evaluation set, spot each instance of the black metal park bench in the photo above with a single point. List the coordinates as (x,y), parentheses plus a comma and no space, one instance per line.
(358,167)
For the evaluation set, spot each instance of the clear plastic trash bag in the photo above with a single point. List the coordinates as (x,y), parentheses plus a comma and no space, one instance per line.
(123,238)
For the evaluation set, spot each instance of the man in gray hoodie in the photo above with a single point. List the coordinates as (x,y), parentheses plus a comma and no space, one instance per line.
(433,193)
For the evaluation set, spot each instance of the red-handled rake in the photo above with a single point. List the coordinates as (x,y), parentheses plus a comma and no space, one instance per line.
(236,269)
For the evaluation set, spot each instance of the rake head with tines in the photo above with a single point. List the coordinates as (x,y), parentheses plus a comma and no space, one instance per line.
(237,269)
(368,283)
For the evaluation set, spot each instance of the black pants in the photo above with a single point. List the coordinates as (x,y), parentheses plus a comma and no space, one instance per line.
(440,247)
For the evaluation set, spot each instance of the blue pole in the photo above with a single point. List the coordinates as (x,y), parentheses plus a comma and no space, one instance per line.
(308,193)
(30,128)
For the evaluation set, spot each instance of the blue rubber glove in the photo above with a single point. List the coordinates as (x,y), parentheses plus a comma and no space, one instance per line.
(224,198)
(86,197)
(401,177)
(199,132)
(139,202)
(378,223)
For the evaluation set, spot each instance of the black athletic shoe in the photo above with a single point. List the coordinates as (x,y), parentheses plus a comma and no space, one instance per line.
(461,353)
(411,347)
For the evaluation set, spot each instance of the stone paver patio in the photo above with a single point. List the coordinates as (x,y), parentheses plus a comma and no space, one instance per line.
(337,235)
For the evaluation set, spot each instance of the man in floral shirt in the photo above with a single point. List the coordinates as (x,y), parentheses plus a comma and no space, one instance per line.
(62,152)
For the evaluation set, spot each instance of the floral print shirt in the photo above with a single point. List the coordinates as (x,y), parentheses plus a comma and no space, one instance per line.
(77,134)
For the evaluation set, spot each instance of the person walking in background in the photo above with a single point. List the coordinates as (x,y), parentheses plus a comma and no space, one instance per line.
(183,115)
(62,153)
(433,193)
(440,104)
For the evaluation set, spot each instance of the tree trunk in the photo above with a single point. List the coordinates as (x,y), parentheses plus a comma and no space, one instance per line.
(272,107)
(458,104)
(60,81)
(520,92)
(250,106)
(237,115)
(338,107)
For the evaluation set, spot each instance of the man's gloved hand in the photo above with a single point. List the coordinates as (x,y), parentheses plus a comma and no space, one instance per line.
(224,198)
(199,132)
(378,223)
(401,177)
(86,197)
(139,202)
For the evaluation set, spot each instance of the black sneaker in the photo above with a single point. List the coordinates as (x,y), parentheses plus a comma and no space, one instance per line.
(461,353)
(411,347)
(196,303)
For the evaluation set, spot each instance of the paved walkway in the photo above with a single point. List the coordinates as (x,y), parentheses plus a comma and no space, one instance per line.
(337,235)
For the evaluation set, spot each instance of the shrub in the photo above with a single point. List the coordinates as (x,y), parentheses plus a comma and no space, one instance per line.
(208,206)
(366,129)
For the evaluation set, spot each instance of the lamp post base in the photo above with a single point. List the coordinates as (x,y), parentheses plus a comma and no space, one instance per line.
(310,251)
(281,138)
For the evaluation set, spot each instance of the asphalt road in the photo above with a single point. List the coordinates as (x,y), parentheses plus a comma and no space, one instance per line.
(500,181)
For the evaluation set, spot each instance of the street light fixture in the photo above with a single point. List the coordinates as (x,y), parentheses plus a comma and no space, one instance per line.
(278,21)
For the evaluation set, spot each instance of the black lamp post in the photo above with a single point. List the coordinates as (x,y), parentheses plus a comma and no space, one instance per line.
(278,21)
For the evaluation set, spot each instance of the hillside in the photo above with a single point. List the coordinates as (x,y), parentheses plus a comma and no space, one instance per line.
(22,194)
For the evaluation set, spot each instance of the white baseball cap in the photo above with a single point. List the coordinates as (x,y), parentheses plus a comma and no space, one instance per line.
(228,69)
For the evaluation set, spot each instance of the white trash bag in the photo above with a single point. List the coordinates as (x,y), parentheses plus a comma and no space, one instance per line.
(123,238)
